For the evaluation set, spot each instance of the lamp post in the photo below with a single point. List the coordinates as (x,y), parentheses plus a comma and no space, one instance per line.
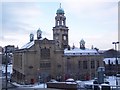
(115,43)
(6,63)
(8,49)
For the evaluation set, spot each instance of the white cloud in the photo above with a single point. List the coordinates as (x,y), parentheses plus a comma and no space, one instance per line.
(90,21)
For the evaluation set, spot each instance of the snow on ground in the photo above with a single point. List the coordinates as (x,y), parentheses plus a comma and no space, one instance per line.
(111,80)
(88,82)
(36,85)
(40,86)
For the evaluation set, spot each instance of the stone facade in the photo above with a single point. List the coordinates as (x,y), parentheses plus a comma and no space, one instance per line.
(112,62)
(43,59)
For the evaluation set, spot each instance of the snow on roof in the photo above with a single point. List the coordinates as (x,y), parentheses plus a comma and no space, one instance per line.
(28,45)
(78,51)
(112,60)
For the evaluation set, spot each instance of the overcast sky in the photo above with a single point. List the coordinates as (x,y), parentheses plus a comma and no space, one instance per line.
(95,22)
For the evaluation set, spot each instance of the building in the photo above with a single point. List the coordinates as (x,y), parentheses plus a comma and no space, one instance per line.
(43,59)
(112,62)
(1,51)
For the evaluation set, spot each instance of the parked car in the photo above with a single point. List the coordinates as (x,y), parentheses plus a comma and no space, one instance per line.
(53,80)
(70,80)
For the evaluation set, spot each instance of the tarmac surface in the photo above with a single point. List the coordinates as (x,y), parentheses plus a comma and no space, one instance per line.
(32,89)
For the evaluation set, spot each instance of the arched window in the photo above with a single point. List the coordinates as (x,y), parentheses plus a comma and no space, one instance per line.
(45,53)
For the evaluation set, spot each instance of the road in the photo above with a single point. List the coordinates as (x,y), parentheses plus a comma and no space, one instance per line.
(31,89)
(4,83)
(12,87)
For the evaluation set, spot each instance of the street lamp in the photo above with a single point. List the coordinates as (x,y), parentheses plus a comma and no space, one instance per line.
(8,49)
(115,43)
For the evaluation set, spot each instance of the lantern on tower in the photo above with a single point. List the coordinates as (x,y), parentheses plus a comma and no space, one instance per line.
(82,44)
(31,37)
(39,34)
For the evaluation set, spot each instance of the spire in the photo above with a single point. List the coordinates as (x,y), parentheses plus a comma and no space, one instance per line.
(60,5)
(60,10)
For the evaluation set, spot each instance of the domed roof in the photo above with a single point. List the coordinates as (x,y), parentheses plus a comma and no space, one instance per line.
(82,41)
(39,30)
(60,11)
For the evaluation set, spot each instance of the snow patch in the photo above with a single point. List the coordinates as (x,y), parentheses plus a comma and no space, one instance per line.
(30,86)
(112,60)
(78,51)
(28,45)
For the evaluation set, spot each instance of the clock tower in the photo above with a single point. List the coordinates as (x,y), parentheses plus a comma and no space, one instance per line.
(60,31)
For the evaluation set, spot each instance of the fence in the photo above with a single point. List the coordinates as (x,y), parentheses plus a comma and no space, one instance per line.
(99,87)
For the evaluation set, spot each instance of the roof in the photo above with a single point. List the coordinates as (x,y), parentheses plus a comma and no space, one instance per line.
(78,51)
(82,41)
(28,45)
(60,11)
(39,30)
(112,60)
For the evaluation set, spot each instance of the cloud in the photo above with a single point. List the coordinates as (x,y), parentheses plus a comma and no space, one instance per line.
(91,9)
(19,17)
(87,20)
(25,12)
(31,1)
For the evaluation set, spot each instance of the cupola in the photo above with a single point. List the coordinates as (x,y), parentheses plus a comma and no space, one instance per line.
(31,37)
(39,33)
(82,44)
(60,10)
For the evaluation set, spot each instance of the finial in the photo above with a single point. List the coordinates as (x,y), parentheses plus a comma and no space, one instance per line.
(73,46)
(60,5)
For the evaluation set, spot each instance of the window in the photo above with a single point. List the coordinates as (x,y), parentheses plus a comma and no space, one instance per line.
(92,64)
(64,36)
(79,64)
(45,53)
(98,64)
(20,61)
(85,65)
(45,65)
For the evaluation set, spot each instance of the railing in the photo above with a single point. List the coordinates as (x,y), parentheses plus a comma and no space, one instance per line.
(99,86)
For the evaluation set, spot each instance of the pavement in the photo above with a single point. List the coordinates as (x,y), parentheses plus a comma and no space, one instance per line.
(3,84)
(32,89)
